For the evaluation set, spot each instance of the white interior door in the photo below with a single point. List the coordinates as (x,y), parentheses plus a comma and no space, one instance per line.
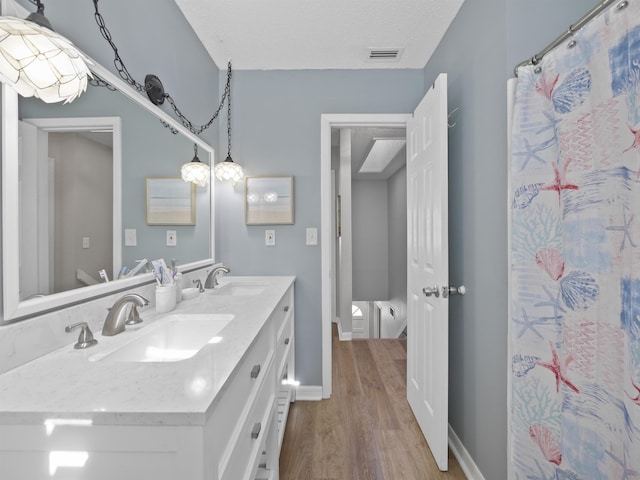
(428,269)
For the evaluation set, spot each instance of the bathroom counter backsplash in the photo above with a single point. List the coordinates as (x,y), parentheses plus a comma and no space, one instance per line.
(24,341)
(64,383)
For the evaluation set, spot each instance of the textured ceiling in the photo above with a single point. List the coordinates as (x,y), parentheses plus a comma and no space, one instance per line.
(321,34)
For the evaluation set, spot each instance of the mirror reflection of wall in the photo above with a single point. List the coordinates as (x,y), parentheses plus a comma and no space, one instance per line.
(66,198)
(148,149)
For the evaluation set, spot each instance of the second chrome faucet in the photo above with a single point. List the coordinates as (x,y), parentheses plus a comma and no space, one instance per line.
(115,321)
(212,280)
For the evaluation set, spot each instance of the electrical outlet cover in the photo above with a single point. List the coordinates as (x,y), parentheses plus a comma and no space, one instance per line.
(130,237)
(312,236)
(172,240)
(270,238)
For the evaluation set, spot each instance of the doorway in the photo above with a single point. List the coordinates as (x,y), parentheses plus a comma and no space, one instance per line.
(72,163)
(329,122)
(427,259)
(369,242)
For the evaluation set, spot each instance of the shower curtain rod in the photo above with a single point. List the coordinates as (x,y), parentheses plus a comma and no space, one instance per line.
(569,33)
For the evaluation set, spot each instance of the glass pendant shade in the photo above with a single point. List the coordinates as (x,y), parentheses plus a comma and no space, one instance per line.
(38,62)
(228,171)
(196,172)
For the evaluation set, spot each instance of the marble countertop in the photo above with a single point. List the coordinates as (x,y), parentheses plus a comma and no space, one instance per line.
(67,384)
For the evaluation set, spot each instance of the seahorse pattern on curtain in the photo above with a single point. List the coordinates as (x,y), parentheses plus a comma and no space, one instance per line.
(575,301)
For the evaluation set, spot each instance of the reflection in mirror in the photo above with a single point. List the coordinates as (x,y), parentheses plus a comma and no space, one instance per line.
(69,221)
(83,221)
(48,246)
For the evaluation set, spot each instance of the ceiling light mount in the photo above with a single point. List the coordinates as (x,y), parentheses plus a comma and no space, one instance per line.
(38,17)
(154,88)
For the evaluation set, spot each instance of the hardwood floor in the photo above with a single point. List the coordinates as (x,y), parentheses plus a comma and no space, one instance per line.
(366,430)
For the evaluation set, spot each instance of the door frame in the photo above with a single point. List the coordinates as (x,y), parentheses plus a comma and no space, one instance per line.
(327,121)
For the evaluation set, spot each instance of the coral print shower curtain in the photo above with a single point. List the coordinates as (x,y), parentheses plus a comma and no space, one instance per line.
(575,270)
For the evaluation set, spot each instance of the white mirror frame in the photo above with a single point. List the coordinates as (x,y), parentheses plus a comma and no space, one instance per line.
(13,308)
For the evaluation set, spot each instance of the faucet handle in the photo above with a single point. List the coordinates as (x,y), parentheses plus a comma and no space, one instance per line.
(85,339)
(134,316)
(198,284)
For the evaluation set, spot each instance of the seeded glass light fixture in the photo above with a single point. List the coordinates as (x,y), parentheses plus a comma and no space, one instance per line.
(38,62)
(228,171)
(195,171)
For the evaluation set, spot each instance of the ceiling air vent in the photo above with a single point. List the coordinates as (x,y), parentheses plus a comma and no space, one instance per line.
(385,54)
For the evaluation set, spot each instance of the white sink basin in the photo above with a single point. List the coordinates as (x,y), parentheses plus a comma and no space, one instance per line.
(238,289)
(179,338)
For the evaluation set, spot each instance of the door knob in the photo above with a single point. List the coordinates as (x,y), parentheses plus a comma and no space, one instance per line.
(428,291)
(446,291)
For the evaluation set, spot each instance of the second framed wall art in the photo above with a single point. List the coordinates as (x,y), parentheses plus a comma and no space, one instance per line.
(268,200)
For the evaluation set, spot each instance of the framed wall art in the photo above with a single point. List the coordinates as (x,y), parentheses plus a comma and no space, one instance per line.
(268,200)
(170,201)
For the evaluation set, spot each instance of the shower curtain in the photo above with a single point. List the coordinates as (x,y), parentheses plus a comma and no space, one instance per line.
(575,257)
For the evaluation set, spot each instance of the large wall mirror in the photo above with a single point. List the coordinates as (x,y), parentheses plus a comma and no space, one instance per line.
(73,188)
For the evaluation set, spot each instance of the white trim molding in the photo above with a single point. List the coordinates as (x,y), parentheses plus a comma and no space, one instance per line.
(467,464)
(344,336)
(309,393)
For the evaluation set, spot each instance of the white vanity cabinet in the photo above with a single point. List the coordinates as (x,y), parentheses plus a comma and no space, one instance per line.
(236,435)
(257,394)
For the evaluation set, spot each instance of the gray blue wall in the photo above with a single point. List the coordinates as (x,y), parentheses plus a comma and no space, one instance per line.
(397,209)
(478,53)
(276,121)
(370,232)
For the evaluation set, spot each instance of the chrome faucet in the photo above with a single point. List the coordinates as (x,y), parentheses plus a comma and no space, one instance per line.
(114,323)
(212,280)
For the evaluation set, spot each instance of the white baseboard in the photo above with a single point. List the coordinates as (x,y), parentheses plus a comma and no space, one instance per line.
(467,464)
(311,393)
(344,336)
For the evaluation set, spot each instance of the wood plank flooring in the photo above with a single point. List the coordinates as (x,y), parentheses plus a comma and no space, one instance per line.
(366,430)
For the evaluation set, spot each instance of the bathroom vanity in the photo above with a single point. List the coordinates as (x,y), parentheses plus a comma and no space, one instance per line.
(201,392)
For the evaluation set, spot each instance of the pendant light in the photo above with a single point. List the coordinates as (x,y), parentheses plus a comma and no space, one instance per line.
(38,62)
(228,171)
(195,171)
(225,171)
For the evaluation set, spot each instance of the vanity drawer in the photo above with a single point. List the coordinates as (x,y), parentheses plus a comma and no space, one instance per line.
(241,459)
(244,386)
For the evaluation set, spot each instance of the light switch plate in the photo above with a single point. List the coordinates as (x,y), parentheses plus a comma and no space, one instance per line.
(130,237)
(172,239)
(312,236)
(270,238)
(86,242)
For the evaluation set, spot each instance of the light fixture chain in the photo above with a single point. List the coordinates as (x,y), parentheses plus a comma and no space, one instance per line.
(126,76)
(117,61)
(228,93)
(185,121)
